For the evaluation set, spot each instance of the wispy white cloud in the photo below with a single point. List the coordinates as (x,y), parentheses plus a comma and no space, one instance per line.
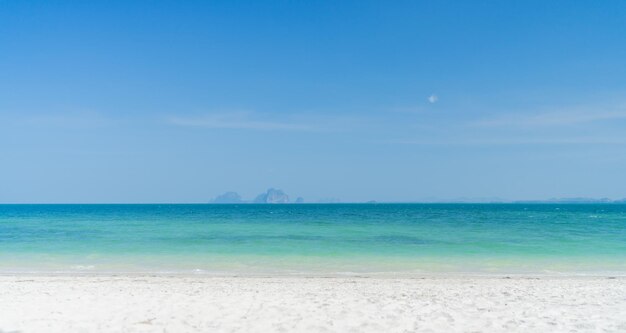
(554,118)
(498,141)
(268,122)
(70,119)
(600,125)
(238,120)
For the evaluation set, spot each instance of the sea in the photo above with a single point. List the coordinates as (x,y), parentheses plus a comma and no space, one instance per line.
(314,239)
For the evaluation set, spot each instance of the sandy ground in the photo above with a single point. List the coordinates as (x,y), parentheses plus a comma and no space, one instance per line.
(294,304)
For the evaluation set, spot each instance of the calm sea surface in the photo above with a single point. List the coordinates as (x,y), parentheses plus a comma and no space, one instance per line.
(312,238)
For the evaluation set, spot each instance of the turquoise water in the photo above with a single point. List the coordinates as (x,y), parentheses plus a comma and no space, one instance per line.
(300,239)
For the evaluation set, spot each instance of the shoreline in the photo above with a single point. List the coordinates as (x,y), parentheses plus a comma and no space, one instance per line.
(324,275)
(146,303)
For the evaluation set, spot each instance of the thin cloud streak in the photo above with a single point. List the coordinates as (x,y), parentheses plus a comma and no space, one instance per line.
(264,122)
(560,118)
(513,142)
(87,119)
(237,121)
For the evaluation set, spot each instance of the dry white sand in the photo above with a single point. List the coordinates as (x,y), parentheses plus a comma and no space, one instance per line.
(292,304)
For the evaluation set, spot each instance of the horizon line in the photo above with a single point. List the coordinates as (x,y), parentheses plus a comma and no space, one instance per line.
(590,201)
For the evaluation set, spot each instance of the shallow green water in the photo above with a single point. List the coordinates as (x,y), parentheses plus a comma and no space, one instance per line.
(336,238)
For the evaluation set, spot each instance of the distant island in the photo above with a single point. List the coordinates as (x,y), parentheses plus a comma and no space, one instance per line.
(228,197)
(271,196)
(573,201)
(278,196)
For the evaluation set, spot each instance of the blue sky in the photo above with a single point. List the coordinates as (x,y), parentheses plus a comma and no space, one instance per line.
(157,101)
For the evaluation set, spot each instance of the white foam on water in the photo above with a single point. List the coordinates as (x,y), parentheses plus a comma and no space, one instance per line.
(83,267)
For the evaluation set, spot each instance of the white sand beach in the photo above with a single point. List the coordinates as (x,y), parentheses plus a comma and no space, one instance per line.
(316,304)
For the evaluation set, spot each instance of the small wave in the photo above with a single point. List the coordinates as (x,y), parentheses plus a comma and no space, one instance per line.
(83,267)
